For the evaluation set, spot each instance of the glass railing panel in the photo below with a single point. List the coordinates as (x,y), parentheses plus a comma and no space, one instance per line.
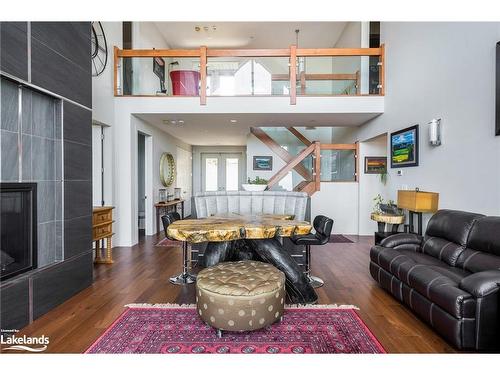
(338,75)
(170,76)
(338,165)
(240,76)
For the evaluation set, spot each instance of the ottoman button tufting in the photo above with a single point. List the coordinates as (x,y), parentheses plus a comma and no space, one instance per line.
(240,291)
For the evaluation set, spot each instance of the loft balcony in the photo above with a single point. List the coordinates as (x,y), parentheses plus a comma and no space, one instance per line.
(289,80)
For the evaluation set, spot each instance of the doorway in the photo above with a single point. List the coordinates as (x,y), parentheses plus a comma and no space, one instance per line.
(141,183)
(221,171)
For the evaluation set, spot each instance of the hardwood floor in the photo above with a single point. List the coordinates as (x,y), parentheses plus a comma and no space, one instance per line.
(140,275)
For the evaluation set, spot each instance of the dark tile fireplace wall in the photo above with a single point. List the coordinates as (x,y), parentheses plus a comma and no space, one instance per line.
(46,129)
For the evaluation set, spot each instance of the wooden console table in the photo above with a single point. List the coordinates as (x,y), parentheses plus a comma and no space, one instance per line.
(164,206)
(102,229)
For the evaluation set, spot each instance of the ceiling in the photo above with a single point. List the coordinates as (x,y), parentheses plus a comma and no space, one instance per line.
(250,34)
(217,129)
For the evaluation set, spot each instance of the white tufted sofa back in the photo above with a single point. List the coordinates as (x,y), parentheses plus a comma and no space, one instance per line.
(250,202)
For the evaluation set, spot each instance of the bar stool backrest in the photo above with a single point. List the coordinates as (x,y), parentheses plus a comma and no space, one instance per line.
(168,219)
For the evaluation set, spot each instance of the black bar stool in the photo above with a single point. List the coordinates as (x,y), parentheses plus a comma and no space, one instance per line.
(323,228)
(184,277)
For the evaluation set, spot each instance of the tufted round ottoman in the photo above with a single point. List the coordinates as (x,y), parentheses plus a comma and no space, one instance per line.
(240,296)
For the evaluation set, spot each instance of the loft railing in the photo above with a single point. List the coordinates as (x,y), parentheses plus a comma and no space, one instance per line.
(316,163)
(289,72)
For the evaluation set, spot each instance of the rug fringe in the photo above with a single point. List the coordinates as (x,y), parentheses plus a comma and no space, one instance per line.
(190,306)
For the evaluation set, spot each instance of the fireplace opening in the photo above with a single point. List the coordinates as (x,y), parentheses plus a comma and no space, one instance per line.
(18,245)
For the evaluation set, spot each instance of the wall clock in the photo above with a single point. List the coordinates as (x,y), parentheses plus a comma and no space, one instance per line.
(167,169)
(99,49)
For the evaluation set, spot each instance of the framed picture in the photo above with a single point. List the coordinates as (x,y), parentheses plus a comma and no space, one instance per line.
(375,164)
(262,163)
(404,148)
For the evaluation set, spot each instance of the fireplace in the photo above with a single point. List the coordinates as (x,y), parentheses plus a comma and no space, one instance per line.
(18,227)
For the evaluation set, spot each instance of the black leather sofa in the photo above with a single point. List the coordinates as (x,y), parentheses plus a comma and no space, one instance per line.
(450,277)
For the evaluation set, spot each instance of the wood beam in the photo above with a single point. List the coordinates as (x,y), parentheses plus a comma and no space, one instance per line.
(339,51)
(115,70)
(203,75)
(291,165)
(317,166)
(280,151)
(277,52)
(338,146)
(159,52)
(381,71)
(299,135)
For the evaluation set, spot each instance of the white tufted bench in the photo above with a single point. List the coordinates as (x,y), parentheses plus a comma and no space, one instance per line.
(240,296)
(251,203)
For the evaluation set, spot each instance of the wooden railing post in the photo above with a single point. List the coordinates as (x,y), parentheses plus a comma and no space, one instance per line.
(115,70)
(293,74)
(203,75)
(317,165)
(381,71)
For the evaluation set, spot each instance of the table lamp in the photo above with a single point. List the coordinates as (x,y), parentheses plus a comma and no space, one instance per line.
(417,202)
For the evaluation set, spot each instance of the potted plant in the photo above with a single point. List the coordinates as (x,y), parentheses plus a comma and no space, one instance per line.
(257,184)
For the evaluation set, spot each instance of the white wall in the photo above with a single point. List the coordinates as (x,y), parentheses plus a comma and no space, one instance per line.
(339,201)
(444,70)
(161,142)
(145,35)
(256,148)
(103,109)
(369,184)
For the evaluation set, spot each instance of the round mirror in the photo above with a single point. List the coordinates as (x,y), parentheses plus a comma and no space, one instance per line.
(167,169)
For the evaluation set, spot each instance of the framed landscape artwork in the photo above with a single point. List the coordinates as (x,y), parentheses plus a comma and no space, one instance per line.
(404,148)
(375,164)
(262,163)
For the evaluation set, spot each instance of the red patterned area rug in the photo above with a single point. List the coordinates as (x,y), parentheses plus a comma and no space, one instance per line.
(168,329)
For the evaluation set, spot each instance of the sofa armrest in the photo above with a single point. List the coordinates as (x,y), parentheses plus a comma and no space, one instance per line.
(399,239)
(481,284)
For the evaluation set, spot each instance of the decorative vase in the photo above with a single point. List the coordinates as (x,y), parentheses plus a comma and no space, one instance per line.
(254,187)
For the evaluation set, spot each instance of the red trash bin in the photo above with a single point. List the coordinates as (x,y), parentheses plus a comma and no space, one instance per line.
(185,82)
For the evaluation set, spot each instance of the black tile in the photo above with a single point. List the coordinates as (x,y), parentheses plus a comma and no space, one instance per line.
(77,124)
(14,304)
(70,39)
(26,110)
(9,105)
(56,73)
(43,163)
(43,115)
(77,236)
(46,235)
(77,199)
(10,156)
(14,49)
(26,158)
(77,161)
(53,286)
(46,201)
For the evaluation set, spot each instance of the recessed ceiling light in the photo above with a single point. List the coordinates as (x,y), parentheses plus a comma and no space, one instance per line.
(233,121)
(181,122)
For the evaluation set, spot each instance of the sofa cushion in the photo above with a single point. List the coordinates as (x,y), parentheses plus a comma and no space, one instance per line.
(451,225)
(447,234)
(483,246)
(429,276)
(442,249)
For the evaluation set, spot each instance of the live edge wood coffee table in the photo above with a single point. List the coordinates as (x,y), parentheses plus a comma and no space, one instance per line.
(239,237)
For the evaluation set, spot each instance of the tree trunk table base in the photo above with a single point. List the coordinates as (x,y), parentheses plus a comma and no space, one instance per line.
(270,251)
